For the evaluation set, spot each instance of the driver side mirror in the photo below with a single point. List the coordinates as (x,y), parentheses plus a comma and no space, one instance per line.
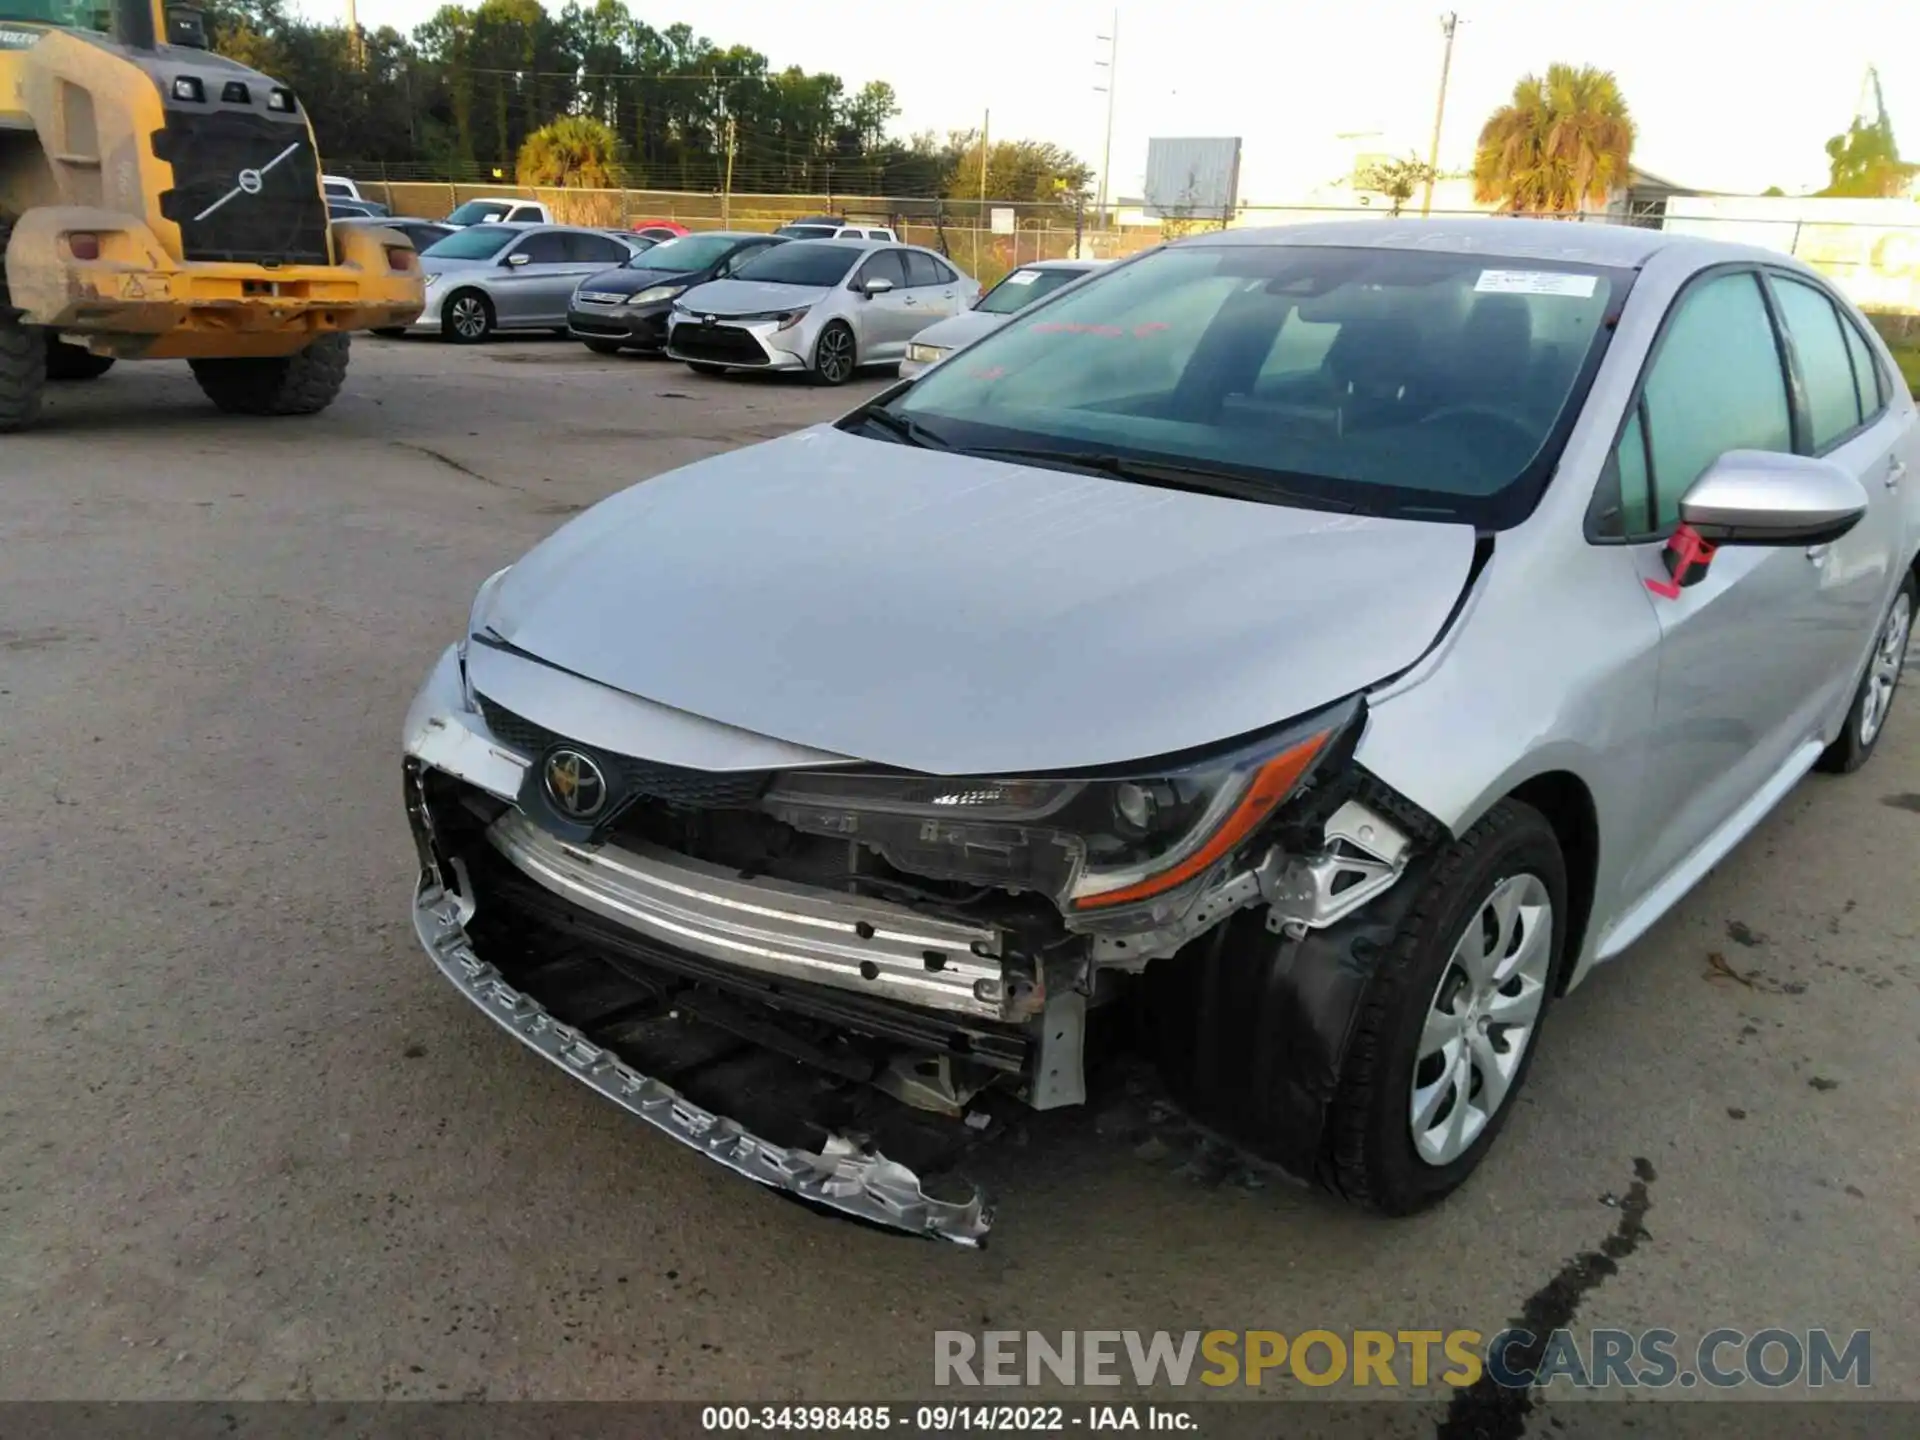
(1760,497)
(517,259)
(879,285)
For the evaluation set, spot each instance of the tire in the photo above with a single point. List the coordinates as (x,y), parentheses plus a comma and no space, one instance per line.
(1306,1052)
(1372,1159)
(23,359)
(603,347)
(74,362)
(834,355)
(702,367)
(1867,715)
(301,384)
(467,318)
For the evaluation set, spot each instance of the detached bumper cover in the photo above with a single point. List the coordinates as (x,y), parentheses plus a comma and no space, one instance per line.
(844,1177)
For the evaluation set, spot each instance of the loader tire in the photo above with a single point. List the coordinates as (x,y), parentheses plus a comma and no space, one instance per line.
(74,362)
(23,371)
(23,357)
(301,384)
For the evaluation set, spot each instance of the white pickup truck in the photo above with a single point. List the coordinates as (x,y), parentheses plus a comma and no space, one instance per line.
(500,209)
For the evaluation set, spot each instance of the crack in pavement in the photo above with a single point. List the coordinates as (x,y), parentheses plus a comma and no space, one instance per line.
(1488,1410)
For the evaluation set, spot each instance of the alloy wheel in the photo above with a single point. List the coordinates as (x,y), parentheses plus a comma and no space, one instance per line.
(1482,1017)
(469,316)
(834,360)
(1883,671)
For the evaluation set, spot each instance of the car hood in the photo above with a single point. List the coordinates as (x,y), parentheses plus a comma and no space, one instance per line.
(950,614)
(622,281)
(751,297)
(962,329)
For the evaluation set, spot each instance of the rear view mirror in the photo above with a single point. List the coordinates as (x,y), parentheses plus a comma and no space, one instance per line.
(1759,497)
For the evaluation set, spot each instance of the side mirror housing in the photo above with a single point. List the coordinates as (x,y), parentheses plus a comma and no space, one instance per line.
(878,286)
(1760,497)
(517,259)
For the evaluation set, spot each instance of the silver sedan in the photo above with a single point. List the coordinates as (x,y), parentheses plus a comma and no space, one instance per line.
(822,306)
(486,278)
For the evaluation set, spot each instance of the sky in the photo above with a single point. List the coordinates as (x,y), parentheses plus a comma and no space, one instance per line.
(1728,97)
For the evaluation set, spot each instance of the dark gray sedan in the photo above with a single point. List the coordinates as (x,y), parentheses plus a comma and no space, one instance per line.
(511,277)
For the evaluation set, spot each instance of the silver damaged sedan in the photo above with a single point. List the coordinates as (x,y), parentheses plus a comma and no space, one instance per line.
(1297,655)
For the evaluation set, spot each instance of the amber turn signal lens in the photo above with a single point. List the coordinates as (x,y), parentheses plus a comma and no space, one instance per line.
(1272,783)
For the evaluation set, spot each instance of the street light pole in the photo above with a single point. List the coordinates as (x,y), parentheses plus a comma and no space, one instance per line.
(1449,22)
(1112,65)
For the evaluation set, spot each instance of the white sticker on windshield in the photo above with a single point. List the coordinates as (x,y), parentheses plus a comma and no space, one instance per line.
(1023,277)
(1536,282)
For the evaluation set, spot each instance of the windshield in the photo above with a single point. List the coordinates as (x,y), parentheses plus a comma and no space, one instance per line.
(808,232)
(77,14)
(688,253)
(813,264)
(1386,381)
(478,242)
(1022,288)
(476,211)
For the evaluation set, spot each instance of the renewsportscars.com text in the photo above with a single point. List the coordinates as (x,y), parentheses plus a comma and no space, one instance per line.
(1384,1359)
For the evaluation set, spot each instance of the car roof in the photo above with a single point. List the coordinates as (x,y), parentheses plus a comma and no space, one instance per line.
(1599,243)
(396,220)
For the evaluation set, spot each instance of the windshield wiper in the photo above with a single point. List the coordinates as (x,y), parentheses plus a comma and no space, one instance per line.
(1199,479)
(905,431)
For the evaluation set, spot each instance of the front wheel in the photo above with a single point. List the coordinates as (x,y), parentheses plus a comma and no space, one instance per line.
(1448,1025)
(23,369)
(74,362)
(468,318)
(300,384)
(833,355)
(1867,716)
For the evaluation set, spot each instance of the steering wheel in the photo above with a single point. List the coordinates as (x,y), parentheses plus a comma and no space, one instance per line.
(1519,424)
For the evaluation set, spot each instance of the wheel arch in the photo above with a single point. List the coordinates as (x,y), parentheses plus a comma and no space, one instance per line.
(1568,805)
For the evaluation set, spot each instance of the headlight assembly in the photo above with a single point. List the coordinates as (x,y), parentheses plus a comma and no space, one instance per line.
(926,354)
(1088,844)
(476,622)
(656,292)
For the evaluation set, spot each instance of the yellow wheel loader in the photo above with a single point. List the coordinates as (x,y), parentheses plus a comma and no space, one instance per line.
(160,202)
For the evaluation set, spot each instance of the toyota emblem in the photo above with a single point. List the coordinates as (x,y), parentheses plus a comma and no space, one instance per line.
(575,784)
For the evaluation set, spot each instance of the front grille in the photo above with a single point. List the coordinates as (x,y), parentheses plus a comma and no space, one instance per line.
(600,297)
(628,775)
(594,325)
(273,215)
(722,344)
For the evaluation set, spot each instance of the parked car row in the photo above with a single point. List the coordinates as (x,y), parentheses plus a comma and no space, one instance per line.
(722,300)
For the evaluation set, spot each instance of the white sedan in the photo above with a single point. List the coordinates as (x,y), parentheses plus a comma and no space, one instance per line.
(1000,304)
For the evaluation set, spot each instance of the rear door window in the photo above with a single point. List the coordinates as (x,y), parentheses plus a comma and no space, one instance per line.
(1869,380)
(923,269)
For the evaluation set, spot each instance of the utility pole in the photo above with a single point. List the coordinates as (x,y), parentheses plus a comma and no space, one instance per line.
(1449,22)
(980,215)
(726,194)
(1111,65)
(354,54)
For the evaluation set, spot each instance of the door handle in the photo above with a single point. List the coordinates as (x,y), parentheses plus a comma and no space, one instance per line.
(1896,471)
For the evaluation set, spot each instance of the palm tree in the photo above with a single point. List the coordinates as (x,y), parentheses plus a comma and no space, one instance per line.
(1560,144)
(574,150)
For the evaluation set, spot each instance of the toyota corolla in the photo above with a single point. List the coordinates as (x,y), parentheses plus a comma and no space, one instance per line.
(1301,655)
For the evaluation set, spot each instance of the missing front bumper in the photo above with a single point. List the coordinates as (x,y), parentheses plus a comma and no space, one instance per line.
(842,1176)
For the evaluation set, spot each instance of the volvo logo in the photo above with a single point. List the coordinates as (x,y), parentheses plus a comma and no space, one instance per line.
(250,181)
(575,784)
